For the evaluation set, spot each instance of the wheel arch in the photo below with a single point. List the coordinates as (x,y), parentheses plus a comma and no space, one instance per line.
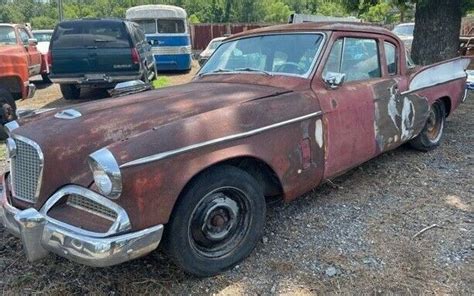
(447,104)
(261,171)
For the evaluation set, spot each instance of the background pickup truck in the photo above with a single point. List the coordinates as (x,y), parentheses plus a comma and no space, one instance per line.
(19,60)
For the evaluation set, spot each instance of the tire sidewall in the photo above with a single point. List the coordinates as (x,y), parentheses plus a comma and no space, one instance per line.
(429,143)
(178,237)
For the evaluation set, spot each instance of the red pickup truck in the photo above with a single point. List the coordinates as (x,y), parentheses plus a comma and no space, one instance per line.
(19,60)
(273,113)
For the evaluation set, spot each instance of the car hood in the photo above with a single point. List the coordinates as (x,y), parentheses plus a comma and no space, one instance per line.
(66,143)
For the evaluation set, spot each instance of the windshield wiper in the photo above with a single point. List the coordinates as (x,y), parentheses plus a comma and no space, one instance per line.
(248,69)
(220,70)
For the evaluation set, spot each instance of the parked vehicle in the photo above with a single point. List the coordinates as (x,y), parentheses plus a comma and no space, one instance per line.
(43,37)
(19,60)
(211,47)
(166,29)
(273,113)
(405,32)
(98,53)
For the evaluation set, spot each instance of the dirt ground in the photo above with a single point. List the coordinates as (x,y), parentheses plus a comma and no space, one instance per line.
(354,235)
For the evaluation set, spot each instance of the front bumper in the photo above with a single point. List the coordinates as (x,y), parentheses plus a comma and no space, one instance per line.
(41,235)
(94,80)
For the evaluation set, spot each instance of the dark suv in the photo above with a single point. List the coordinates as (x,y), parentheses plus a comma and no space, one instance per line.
(98,53)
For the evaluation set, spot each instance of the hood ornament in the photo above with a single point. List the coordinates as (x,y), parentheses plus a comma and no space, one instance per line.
(68,114)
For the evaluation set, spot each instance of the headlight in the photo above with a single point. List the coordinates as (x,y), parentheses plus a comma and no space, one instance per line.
(106,172)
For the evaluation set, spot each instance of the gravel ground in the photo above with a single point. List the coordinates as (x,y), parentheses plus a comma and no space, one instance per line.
(352,235)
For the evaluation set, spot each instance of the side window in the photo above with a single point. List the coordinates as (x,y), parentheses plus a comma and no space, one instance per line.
(391,58)
(24,36)
(358,58)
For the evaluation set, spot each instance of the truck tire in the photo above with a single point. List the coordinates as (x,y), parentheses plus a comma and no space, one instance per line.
(7,110)
(70,91)
(45,78)
(217,221)
(431,135)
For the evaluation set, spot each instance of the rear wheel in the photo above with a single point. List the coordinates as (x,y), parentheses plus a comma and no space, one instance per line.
(431,135)
(70,91)
(217,222)
(7,110)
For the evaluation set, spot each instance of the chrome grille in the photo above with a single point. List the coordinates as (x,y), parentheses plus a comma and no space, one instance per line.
(91,206)
(26,167)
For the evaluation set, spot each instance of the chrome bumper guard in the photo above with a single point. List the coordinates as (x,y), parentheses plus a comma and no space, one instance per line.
(41,235)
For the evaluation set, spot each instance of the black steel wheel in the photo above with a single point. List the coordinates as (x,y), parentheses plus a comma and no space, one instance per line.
(217,221)
(431,135)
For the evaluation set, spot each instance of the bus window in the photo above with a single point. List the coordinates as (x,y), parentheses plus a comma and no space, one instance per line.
(171,26)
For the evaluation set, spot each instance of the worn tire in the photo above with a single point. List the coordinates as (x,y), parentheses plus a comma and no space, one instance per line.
(431,135)
(70,91)
(205,234)
(7,110)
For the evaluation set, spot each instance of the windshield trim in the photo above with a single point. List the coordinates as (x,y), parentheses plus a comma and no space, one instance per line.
(305,75)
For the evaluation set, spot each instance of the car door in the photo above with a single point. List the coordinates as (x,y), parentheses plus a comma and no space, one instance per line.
(348,108)
(399,114)
(34,56)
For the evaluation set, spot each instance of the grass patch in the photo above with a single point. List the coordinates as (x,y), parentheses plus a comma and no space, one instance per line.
(161,81)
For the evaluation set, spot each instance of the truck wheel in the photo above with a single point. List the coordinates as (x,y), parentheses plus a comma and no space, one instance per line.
(217,221)
(45,78)
(431,135)
(7,110)
(70,91)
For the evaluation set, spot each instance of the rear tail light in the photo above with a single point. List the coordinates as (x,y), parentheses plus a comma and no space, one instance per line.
(135,56)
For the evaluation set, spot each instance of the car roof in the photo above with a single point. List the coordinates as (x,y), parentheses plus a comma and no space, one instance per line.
(316,26)
(106,20)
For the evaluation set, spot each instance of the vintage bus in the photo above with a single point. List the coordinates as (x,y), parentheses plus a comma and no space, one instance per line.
(166,29)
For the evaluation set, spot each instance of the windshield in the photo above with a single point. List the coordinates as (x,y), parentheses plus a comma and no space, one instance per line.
(43,37)
(91,34)
(286,54)
(149,26)
(171,26)
(405,30)
(7,36)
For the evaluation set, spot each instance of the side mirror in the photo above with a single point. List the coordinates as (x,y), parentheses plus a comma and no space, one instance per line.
(32,42)
(334,79)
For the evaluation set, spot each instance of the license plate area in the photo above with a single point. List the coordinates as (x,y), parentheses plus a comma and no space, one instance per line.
(95,77)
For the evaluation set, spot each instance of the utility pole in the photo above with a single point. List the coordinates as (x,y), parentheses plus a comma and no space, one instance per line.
(60,10)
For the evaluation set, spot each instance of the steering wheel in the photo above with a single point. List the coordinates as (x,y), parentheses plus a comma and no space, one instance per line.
(290,67)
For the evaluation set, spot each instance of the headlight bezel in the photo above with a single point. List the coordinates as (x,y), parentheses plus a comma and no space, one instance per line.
(102,162)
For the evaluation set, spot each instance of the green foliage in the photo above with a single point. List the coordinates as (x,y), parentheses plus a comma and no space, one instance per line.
(161,81)
(43,22)
(42,13)
(276,12)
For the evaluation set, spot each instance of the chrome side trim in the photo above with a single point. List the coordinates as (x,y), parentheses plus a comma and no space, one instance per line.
(163,155)
(40,177)
(121,223)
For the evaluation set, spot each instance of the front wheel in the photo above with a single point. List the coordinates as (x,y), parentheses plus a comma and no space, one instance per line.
(7,110)
(431,135)
(217,222)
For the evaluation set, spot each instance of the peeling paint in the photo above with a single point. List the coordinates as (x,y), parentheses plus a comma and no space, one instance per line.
(318,134)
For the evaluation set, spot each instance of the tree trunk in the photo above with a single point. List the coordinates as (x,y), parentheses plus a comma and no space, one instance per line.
(437,27)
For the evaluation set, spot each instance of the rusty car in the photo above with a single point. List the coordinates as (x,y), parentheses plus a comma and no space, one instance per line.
(272,114)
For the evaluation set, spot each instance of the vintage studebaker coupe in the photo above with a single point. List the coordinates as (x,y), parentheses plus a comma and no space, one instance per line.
(273,113)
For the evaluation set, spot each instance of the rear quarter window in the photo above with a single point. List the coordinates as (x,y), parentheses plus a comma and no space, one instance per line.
(91,34)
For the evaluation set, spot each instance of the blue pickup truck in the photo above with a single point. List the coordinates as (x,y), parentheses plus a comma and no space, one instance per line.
(98,53)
